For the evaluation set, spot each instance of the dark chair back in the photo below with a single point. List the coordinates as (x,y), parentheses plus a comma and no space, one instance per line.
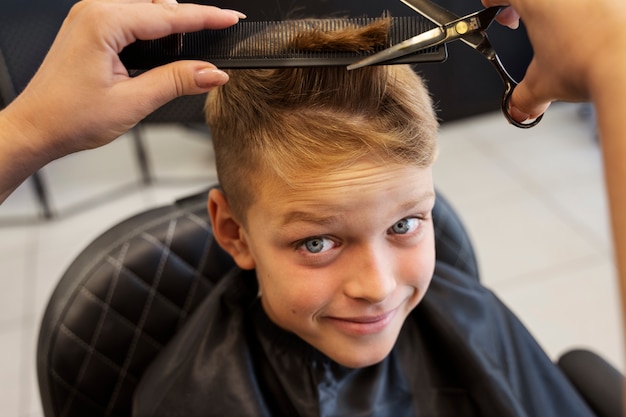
(27,29)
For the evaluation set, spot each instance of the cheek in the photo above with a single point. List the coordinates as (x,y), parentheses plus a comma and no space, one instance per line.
(420,266)
(293,312)
(291,299)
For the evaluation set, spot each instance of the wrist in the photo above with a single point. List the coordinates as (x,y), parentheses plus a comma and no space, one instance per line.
(22,150)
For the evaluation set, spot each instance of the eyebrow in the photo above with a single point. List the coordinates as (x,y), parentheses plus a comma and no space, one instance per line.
(322,219)
(309,217)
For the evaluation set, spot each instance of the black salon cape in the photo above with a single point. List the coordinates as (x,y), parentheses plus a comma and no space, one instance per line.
(460,353)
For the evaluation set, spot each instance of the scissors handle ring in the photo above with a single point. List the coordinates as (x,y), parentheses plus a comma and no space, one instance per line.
(510,85)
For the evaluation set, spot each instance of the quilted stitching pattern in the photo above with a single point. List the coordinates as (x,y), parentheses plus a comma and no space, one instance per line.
(129,292)
(129,301)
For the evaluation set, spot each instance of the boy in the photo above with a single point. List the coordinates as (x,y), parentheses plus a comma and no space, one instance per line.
(325,207)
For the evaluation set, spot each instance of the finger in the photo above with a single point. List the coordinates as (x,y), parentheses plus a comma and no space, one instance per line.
(160,85)
(123,1)
(147,21)
(509,17)
(151,21)
(530,98)
(489,3)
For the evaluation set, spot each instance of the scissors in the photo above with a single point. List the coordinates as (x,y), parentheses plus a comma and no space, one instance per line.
(470,29)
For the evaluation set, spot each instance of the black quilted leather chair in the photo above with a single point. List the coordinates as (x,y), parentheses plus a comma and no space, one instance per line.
(133,287)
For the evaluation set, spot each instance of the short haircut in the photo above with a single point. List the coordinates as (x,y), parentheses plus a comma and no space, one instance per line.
(284,123)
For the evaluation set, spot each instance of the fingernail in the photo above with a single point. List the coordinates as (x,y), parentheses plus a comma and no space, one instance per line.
(236,13)
(514,25)
(210,77)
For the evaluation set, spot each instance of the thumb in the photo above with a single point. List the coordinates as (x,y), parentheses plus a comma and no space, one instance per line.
(162,84)
(530,98)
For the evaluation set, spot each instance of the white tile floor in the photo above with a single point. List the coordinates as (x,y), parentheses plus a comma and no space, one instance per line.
(533,202)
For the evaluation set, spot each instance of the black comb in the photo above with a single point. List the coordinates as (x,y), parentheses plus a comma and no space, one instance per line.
(260,44)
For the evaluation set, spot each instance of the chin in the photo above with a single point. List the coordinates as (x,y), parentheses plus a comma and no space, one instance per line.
(361,358)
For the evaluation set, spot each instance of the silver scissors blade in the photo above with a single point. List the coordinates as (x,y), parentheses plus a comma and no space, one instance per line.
(468,28)
(424,40)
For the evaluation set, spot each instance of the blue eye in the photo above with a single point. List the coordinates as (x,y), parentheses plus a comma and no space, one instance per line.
(405,226)
(317,244)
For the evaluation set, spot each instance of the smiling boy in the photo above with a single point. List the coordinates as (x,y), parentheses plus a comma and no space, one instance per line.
(341,262)
(325,207)
(339,203)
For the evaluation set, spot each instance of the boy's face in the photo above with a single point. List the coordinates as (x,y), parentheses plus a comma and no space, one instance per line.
(343,260)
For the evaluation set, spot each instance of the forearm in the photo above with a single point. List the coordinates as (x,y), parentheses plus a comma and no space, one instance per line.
(610,102)
(609,96)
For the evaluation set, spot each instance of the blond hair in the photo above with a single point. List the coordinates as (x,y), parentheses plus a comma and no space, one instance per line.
(289,122)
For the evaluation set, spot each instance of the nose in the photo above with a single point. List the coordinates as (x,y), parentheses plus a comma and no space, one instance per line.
(370,275)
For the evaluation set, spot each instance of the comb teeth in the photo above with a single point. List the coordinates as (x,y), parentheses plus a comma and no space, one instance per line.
(250,44)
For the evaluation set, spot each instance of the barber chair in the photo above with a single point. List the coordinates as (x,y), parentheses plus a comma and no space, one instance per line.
(127,294)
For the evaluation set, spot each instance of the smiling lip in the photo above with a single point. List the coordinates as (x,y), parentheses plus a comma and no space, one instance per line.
(364,325)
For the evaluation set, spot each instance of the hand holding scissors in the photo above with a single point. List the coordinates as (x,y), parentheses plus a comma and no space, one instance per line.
(470,29)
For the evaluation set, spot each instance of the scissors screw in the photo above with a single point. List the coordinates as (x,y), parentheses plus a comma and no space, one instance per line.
(461,28)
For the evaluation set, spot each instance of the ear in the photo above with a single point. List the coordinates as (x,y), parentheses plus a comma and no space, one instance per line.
(228,232)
